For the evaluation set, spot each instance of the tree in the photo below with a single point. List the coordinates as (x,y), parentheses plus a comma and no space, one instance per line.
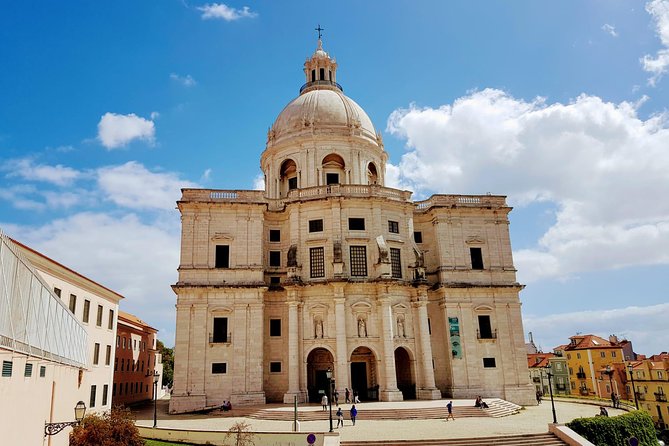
(113,428)
(168,363)
(241,434)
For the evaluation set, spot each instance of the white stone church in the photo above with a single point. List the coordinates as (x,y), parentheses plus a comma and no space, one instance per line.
(327,268)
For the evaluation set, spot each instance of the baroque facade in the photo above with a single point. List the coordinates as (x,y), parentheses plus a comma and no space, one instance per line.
(329,268)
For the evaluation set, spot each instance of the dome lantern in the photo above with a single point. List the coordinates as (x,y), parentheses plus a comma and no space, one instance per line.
(320,71)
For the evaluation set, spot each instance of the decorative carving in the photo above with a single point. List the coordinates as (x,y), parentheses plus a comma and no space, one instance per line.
(221,236)
(362,327)
(420,257)
(400,326)
(475,240)
(292,256)
(384,253)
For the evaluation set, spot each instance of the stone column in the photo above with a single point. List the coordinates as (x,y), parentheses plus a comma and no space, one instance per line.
(293,351)
(389,392)
(428,390)
(341,361)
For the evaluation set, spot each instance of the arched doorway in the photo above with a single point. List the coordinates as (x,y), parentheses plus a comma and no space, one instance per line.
(404,374)
(363,374)
(318,361)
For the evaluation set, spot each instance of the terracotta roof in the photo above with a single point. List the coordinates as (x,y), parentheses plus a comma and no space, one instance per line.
(581,342)
(133,319)
(538,359)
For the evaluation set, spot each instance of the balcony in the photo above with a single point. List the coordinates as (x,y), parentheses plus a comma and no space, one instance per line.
(561,386)
(580,375)
(640,396)
(584,391)
(225,339)
(536,379)
(660,397)
(487,335)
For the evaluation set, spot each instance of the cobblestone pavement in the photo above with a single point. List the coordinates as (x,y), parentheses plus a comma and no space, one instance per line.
(532,419)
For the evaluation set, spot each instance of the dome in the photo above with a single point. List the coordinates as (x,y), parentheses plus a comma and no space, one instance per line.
(323,108)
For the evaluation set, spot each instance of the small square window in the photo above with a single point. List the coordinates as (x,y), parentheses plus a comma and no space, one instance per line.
(418,236)
(292,183)
(489,362)
(356,224)
(274,235)
(275,367)
(316,225)
(275,327)
(42,371)
(219,368)
(332,178)
(393,227)
(275,280)
(28,371)
(275,258)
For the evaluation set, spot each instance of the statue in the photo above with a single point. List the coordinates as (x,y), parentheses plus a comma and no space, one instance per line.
(420,257)
(318,327)
(292,256)
(337,251)
(384,253)
(400,327)
(362,327)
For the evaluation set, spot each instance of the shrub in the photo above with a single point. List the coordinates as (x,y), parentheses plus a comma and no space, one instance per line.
(613,431)
(113,428)
(241,434)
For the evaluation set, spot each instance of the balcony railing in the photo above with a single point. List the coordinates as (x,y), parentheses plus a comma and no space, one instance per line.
(580,375)
(561,386)
(640,396)
(226,339)
(321,82)
(488,335)
(660,397)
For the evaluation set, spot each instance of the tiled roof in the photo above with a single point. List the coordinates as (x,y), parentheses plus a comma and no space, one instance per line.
(538,359)
(581,342)
(133,319)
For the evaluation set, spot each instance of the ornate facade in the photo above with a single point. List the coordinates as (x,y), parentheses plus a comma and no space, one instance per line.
(328,268)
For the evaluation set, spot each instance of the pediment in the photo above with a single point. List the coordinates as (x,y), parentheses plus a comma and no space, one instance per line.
(483,308)
(220,309)
(475,240)
(361,306)
(221,236)
(400,307)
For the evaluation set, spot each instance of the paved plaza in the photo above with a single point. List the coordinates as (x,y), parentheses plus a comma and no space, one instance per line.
(533,419)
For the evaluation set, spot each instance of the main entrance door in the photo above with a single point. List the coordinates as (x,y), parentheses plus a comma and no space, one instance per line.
(363,374)
(318,361)
(404,374)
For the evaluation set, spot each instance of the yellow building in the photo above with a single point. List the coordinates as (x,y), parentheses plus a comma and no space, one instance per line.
(651,385)
(588,357)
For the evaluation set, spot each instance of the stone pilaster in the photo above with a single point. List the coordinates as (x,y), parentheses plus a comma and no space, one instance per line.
(247,340)
(428,390)
(341,361)
(294,362)
(389,391)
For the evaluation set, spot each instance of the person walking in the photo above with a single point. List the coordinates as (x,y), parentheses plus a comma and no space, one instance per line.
(336,397)
(340,417)
(324,402)
(354,413)
(347,394)
(449,406)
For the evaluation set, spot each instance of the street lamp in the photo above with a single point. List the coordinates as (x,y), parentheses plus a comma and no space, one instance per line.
(156,377)
(328,373)
(549,371)
(54,428)
(609,371)
(630,368)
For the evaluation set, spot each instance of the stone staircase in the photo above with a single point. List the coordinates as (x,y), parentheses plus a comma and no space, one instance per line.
(501,408)
(511,440)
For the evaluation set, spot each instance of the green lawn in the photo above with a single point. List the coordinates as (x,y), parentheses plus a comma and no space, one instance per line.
(164,443)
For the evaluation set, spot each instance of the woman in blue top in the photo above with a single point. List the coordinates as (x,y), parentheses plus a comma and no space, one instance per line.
(354,413)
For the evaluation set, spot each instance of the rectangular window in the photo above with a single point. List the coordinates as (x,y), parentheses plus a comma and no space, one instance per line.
(28,372)
(220,329)
(477,258)
(358,261)
(602,354)
(274,235)
(114,390)
(42,371)
(275,258)
(110,325)
(356,224)
(418,236)
(317,262)
(331,178)
(613,354)
(134,344)
(108,355)
(123,341)
(393,227)
(275,367)
(485,329)
(396,263)
(73,303)
(219,367)
(275,280)
(115,364)
(105,390)
(91,403)
(578,356)
(275,327)
(489,362)
(87,310)
(292,183)
(316,225)
(7,369)
(99,320)
(56,291)
(429,326)
(222,256)
(122,364)
(96,353)
(118,341)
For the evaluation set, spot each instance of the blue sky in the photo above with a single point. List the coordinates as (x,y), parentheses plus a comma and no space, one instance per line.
(108,109)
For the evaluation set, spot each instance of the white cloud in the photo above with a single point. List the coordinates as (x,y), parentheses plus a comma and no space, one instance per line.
(25,168)
(259,182)
(186,81)
(645,326)
(602,165)
(133,186)
(610,29)
(225,12)
(136,259)
(206,175)
(116,130)
(658,64)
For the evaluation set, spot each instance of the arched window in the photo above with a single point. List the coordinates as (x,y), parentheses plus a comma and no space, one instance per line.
(333,169)
(288,177)
(372,175)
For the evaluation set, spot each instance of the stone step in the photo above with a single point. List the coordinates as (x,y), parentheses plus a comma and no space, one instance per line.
(546,439)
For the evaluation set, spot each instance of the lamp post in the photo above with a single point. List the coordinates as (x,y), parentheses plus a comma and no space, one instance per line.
(549,371)
(630,368)
(54,428)
(156,376)
(609,371)
(328,373)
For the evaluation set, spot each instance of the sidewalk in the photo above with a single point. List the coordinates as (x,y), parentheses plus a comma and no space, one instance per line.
(533,419)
